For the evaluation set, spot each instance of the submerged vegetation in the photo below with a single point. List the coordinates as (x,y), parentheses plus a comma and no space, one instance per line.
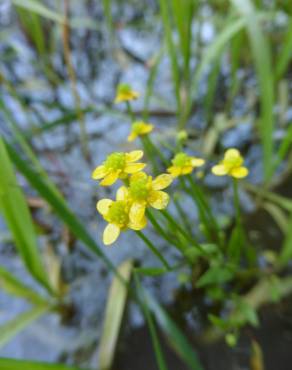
(174,118)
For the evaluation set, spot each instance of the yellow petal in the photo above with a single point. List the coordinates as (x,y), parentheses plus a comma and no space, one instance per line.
(186,170)
(162,181)
(111,234)
(146,128)
(158,199)
(122,193)
(219,170)
(174,171)
(231,154)
(99,172)
(134,156)
(134,167)
(138,225)
(239,172)
(103,206)
(110,178)
(137,211)
(138,176)
(132,136)
(197,162)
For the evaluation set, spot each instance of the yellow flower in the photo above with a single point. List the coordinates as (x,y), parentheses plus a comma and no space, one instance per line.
(125,93)
(143,192)
(183,164)
(139,128)
(118,165)
(116,213)
(231,165)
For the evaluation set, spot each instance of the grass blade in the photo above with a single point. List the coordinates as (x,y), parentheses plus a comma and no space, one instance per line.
(12,364)
(38,8)
(16,213)
(150,322)
(263,64)
(114,311)
(49,192)
(13,327)
(175,336)
(212,54)
(285,56)
(11,285)
(286,253)
(165,15)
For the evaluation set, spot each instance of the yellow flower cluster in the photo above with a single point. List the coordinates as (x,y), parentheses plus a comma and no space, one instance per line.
(128,210)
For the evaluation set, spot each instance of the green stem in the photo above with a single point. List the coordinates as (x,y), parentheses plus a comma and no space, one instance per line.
(156,150)
(130,111)
(149,154)
(204,208)
(153,249)
(162,232)
(182,214)
(176,225)
(236,203)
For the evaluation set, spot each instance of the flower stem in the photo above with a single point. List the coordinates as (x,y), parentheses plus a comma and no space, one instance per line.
(162,232)
(176,225)
(206,214)
(130,111)
(236,203)
(153,249)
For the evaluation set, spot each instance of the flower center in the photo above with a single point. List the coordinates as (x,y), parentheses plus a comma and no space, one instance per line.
(233,162)
(139,189)
(124,89)
(180,160)
(118,213)
(115,161)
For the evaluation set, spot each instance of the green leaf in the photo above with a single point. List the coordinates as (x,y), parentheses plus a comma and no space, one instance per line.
(11,285)
(13,327)
(12,364)
(174,335)
(215,275)
(113,316)
(14,208)
(39,8)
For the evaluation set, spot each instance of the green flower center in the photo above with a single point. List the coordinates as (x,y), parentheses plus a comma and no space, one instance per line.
(118,213)
(181,160)
(139,189)
(124,89)
(233,162)
(115,161)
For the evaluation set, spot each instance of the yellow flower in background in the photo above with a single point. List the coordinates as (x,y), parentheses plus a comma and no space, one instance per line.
(145,191)
(125,93)
(116,213)
(183,164)
(231,165)
(117,166)
(139,128)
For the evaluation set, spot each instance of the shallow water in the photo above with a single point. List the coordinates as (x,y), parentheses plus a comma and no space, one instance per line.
(99,68)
